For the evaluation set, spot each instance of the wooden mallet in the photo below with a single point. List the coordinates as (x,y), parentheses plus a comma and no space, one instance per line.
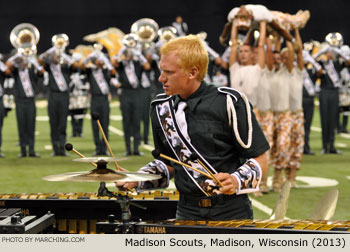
(69,147)
(95,116)
(157,154)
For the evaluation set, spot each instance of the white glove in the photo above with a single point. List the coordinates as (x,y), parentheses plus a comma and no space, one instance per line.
(3,67)
(308,58)
(35,63)
(325,49)
(16,59)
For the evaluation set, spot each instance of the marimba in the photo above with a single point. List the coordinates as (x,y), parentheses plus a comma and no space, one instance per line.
(79,212)
(88,213)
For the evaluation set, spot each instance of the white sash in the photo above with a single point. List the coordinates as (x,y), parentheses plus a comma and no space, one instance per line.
(1,91)
(57,74)
(100,79)
(181,147)
(308,84)
(332,73)
(145,82)
(130,73)
(26,84)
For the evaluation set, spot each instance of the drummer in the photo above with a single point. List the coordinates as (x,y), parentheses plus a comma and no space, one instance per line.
(78,101)
(192,118)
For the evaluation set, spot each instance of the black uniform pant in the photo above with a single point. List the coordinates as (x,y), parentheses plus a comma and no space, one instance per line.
(100,105)
(58,111)
(130,106)
(2,115)
(308,109)
(329,102)
(343,120)
(77,119)
(25,114)
(145,98)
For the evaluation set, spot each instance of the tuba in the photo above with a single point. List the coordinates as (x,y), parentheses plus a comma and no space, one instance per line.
(167,33)
(146,29)
(24,37)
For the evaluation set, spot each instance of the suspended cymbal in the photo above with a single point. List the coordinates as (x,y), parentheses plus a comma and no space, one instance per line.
(279,212)
(98,159)
(101,175)
(326,207)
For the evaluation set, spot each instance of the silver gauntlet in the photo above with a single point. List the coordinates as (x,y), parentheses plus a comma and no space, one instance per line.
(155,167)
(248,176)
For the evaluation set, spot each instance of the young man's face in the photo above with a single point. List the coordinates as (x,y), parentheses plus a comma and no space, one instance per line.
(277,59)
(245,55)
(175,80)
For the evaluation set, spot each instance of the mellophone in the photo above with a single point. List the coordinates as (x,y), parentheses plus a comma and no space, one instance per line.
(86,213)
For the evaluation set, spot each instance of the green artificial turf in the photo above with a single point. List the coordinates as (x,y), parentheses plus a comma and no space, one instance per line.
(24,175)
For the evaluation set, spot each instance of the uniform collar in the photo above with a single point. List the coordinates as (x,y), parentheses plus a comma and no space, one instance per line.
(193,100)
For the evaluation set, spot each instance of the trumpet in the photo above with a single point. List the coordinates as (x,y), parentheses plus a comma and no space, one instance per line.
(24,37)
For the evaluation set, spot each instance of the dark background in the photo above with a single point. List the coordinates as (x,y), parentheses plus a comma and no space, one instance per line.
(78,18)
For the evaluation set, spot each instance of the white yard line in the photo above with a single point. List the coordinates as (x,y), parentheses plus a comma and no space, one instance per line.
(116,131)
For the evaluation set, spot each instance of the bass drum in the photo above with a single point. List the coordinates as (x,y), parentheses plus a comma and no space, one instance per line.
(344,98)
(78,102)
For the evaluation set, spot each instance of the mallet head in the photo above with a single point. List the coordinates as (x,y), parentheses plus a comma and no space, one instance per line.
(68,147)
(95,116)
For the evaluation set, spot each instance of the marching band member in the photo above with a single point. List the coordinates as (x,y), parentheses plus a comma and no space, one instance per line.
(145,96)
(25,71)
(193,117)
(131,64)
(214,58)
(59,67)
(3,68)
(309,92)
(99,76)
(181,26)
(329,95)
(78,103)
(344,94)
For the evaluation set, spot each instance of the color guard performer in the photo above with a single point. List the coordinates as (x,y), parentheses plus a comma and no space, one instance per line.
(3,68)
(281,112)
(263,105)
(295,103)
(244,75)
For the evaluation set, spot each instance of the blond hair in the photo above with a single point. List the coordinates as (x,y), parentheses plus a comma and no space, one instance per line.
(191,51)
